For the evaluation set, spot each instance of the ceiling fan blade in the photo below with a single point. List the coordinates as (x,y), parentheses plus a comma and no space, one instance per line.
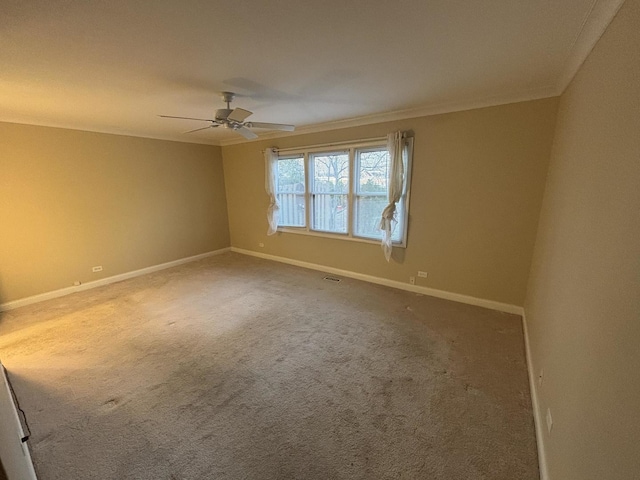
(203,128)
(272,126)
(246,133)
(187,118)
(238,115)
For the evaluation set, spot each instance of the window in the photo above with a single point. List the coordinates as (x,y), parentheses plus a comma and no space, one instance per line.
(330,192)
(290,191)
(339,192)
(372,174)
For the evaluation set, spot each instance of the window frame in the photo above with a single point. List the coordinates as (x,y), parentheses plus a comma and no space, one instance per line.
(310,173)
(350,148)
(358,193)
(304,193)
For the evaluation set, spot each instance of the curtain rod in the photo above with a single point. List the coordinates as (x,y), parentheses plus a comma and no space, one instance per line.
(332,144)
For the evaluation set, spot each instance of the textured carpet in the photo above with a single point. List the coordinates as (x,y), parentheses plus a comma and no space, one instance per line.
(239,368)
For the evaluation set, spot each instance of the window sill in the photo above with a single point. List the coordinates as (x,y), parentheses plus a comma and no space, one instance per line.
(335,236)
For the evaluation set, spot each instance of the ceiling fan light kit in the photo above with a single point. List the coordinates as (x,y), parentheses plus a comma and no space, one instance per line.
(234,119)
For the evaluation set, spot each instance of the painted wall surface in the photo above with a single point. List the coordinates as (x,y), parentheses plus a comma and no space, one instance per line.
(583,300)
(477,186)
(71,200)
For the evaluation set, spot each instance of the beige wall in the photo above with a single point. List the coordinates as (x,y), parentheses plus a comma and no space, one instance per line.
(478,180)
(583,301)
(70,200)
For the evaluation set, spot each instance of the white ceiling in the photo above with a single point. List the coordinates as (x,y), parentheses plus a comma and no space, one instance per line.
(114,65)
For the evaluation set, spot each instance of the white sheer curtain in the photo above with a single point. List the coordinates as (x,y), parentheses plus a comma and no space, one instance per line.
(395,144)
(270,159)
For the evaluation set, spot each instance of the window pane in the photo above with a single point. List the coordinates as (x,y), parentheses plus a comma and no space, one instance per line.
(290,188)
(330,184)
(292,212)
(368,214)
(290,175)
(331,173)
(330,213)
(373,170)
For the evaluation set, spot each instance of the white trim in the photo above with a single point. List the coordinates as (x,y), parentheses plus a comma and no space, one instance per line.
(595,23)
(14,453)
(432,292)
(537,415)
(105,281)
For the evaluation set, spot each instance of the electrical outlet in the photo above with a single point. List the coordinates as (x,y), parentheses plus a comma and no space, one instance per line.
(77,283)
(540,377)
(97,269)
(412,280)
(549,420)
(261,245)
(422,274)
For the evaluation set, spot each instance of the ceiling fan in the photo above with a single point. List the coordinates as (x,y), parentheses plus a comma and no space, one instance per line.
(234,119)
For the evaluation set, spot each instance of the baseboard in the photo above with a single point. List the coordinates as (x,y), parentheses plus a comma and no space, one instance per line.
(106,281)
(537,415)
(456,297)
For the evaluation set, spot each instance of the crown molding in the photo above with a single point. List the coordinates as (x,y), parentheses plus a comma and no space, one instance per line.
(594,25)
(107,131)
(414,112)
(381,117)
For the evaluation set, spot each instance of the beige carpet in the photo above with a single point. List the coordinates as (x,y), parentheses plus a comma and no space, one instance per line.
(239,368)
